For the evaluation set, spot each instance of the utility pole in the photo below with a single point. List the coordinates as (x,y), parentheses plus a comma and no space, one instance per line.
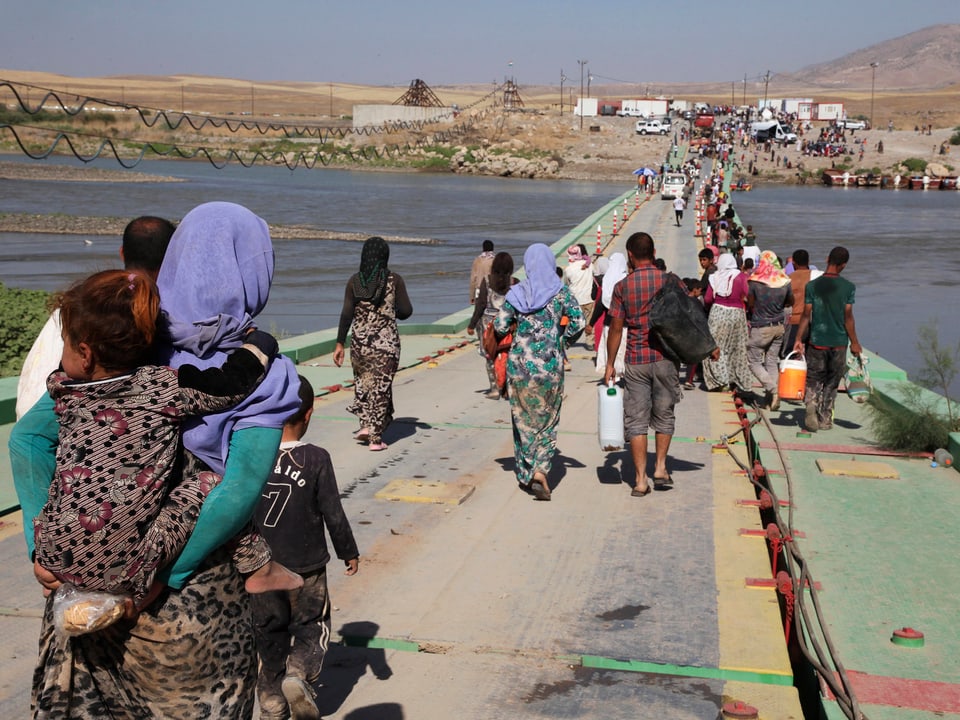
(562,79)
(331,99)
(253,110)
(873,78)
(581,63)
(766,83)
(733,94)
(744,88)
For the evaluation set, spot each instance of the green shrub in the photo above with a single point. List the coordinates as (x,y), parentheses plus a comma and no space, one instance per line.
(915,426)
(919,423)
(915,164)
(955,138)
(106,118)
(940,365)
(19,117)
(22,315)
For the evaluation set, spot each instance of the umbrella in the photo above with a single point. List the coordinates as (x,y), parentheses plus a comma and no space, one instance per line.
(645,171)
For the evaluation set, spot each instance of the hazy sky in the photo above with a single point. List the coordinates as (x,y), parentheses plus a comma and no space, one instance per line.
(392,43)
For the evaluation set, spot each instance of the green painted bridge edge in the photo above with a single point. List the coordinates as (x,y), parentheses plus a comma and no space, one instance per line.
(599,663)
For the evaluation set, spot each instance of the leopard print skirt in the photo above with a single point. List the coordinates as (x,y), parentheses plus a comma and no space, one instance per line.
(191,654)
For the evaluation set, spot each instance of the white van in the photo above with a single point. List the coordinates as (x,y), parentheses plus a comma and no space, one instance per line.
(674,185)
(772,130)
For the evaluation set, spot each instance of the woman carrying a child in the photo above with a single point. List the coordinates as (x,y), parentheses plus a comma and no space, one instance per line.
(190,653)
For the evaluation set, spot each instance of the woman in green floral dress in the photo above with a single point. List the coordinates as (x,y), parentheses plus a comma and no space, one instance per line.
(538,305)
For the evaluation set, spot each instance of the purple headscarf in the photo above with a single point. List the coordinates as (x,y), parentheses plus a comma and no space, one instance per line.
(214,280)
(541,283)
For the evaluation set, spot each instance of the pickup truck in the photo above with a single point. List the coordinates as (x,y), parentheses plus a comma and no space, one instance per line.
(649,127)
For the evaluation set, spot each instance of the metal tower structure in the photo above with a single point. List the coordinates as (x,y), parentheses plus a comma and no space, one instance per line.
(419,95)
(511,96)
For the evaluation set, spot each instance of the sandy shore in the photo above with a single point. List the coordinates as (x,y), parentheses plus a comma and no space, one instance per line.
(113,226)
(614,150)
(40,170)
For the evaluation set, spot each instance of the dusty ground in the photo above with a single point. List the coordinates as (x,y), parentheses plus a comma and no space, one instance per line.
(600,148)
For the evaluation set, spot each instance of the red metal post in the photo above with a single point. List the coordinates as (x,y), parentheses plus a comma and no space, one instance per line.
(785,588)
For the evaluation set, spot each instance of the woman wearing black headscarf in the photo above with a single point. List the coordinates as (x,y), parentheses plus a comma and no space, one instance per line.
(374,300)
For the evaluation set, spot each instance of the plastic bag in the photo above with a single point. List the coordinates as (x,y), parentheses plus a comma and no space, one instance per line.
(680,323)
(858,380)
(78,612)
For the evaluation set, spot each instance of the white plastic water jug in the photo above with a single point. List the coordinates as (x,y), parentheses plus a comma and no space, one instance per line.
(610,417)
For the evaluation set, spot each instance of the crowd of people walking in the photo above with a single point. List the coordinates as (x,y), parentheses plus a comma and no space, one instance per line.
(208,614)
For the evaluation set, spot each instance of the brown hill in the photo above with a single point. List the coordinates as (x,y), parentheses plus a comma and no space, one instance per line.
(928,58)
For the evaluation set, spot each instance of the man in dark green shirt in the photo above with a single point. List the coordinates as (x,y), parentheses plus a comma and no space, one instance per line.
(828,314)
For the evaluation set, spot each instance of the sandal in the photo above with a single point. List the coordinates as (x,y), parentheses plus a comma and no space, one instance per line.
(378,446)
(637,492)
(539,488)
(664,482)
(362,435)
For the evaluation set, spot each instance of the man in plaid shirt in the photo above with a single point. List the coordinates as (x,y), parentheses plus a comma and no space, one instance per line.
(651,379)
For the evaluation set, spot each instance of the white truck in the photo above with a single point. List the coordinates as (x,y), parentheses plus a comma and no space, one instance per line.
(645,108)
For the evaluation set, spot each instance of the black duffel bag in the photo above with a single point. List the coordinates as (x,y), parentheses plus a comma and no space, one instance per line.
(680,322)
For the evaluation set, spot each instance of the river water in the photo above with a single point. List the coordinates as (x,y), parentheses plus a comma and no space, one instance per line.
(904,245)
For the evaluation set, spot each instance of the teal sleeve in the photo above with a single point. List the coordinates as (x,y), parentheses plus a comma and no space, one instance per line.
(230,505)
(33,459)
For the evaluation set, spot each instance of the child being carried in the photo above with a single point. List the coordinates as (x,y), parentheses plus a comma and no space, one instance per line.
(115,513)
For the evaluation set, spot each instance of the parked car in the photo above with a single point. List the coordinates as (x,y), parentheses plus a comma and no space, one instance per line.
(853,124)
(649,127)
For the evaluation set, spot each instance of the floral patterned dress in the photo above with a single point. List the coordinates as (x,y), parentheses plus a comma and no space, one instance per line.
(375,357)
(115,512)
(535,378)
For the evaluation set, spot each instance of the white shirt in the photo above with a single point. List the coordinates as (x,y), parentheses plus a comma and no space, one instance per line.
(43,359)
(679,203)
(580,281)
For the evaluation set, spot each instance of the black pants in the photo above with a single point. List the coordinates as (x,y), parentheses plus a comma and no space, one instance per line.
(679,214)
(293,632)
(825,368)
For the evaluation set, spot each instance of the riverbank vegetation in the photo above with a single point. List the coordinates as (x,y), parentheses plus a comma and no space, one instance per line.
(22,315)
(925,414)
